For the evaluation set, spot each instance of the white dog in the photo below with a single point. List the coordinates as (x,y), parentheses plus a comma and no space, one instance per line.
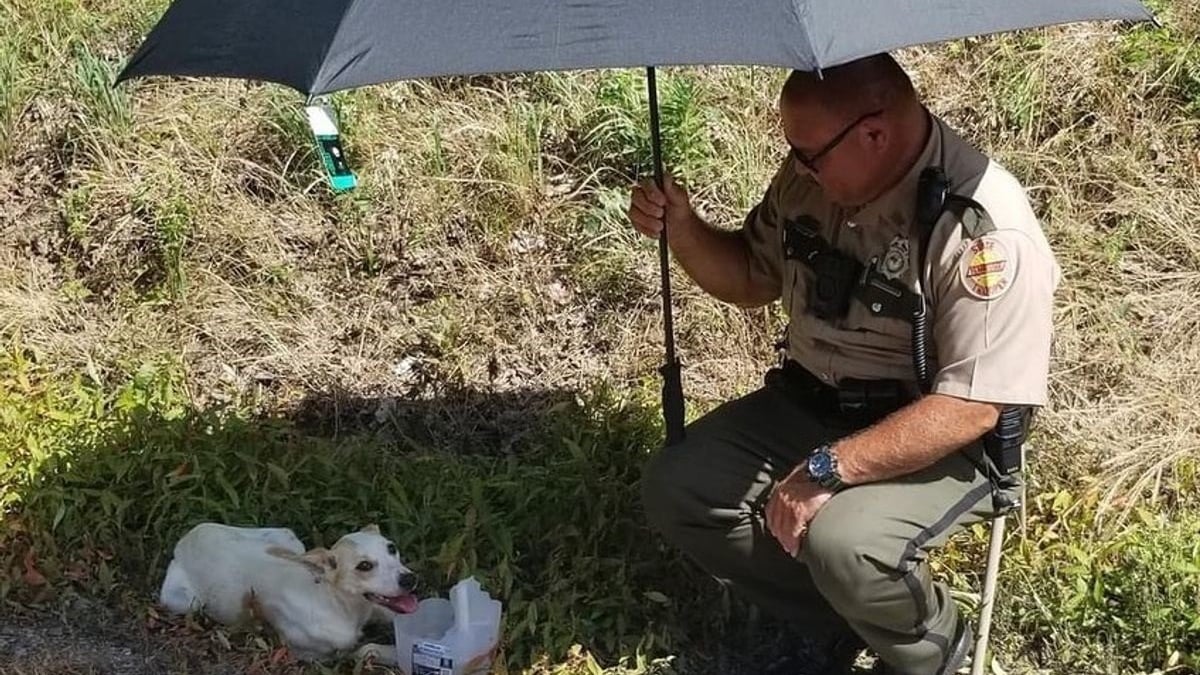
(318,601)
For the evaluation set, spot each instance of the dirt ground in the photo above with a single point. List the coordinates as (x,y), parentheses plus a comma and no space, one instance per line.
(86,637)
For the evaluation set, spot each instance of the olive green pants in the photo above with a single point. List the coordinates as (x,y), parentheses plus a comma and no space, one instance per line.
(863,560)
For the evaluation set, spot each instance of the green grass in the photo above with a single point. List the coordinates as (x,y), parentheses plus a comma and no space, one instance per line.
(104,476)
(108,107)
(1168,57)
(11,88)
(127,470)
(1109,604)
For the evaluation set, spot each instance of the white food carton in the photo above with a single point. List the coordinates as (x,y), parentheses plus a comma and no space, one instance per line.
(459,636)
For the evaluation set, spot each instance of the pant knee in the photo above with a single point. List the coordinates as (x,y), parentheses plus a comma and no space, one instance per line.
(845,572)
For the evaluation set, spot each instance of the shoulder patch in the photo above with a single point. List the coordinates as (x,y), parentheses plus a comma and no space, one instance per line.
(987,268)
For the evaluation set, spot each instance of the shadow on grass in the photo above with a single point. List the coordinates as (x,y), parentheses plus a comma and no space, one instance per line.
(533,492)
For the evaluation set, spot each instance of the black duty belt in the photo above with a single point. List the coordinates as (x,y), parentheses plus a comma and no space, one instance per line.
(852,400)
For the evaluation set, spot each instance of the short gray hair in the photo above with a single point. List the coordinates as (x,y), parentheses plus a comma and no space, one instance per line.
(855,88)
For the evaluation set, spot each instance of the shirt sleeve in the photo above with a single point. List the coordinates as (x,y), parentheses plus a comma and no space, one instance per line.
(763,235)
(994,319)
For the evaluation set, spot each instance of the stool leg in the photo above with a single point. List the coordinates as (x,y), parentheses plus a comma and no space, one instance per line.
(989,596)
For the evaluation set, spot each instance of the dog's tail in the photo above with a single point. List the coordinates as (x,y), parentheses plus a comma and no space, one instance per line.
(177,594)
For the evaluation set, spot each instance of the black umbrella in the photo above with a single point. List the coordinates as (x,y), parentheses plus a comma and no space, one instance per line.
(322,46)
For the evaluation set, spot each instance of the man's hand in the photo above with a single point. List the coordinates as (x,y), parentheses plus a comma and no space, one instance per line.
(648,206)
(716,259)
(793,504)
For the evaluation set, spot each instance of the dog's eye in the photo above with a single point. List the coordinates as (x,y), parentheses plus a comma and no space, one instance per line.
(391,549)
(365,566)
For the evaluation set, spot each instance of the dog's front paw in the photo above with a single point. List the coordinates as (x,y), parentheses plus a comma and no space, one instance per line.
(382,654)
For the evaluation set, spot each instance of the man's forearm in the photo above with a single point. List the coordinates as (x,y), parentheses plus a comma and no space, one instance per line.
(719,261)
(913,438)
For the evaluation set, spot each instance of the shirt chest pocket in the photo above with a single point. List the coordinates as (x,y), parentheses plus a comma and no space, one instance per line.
(863,319)
(882,310)
(797,278)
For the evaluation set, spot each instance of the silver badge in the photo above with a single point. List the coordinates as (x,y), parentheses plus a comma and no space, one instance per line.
(895,261)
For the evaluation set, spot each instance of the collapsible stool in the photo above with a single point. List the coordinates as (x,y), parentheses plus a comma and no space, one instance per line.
(991,572)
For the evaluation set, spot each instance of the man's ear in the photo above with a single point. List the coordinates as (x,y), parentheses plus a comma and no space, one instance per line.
(371,529)
(876,135)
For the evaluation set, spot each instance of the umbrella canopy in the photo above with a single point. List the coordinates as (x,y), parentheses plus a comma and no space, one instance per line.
(321,46)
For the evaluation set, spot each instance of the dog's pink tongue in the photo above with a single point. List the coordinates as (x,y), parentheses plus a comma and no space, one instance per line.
(401,604)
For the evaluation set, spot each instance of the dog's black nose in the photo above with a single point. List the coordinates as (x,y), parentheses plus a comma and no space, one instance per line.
(408,581)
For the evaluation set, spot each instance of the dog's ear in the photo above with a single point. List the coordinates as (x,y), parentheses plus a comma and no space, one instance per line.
(320,561)
(371,529)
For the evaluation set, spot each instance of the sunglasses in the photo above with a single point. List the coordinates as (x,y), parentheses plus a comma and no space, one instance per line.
(810,162)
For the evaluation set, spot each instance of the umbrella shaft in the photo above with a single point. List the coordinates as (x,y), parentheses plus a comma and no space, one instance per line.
(663,261)
(672,393)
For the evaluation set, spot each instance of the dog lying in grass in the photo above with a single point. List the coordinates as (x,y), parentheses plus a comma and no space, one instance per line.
(318,601)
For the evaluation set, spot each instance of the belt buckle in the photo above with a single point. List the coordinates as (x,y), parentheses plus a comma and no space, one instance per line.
(866,396)
(852,397)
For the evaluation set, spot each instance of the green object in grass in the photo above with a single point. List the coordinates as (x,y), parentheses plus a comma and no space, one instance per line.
(329,145)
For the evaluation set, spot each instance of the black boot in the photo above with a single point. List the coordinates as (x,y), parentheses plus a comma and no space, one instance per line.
(829,656)
(964,640)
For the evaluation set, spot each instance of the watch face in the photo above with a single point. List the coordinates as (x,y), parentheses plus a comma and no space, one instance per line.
(819,465)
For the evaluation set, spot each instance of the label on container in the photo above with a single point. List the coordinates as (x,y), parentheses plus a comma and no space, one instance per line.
(430,658)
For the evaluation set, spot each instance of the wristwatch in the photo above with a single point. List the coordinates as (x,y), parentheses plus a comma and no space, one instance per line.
(822,468)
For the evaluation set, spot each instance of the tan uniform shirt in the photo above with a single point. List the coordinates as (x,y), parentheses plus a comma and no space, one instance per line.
(990,298)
